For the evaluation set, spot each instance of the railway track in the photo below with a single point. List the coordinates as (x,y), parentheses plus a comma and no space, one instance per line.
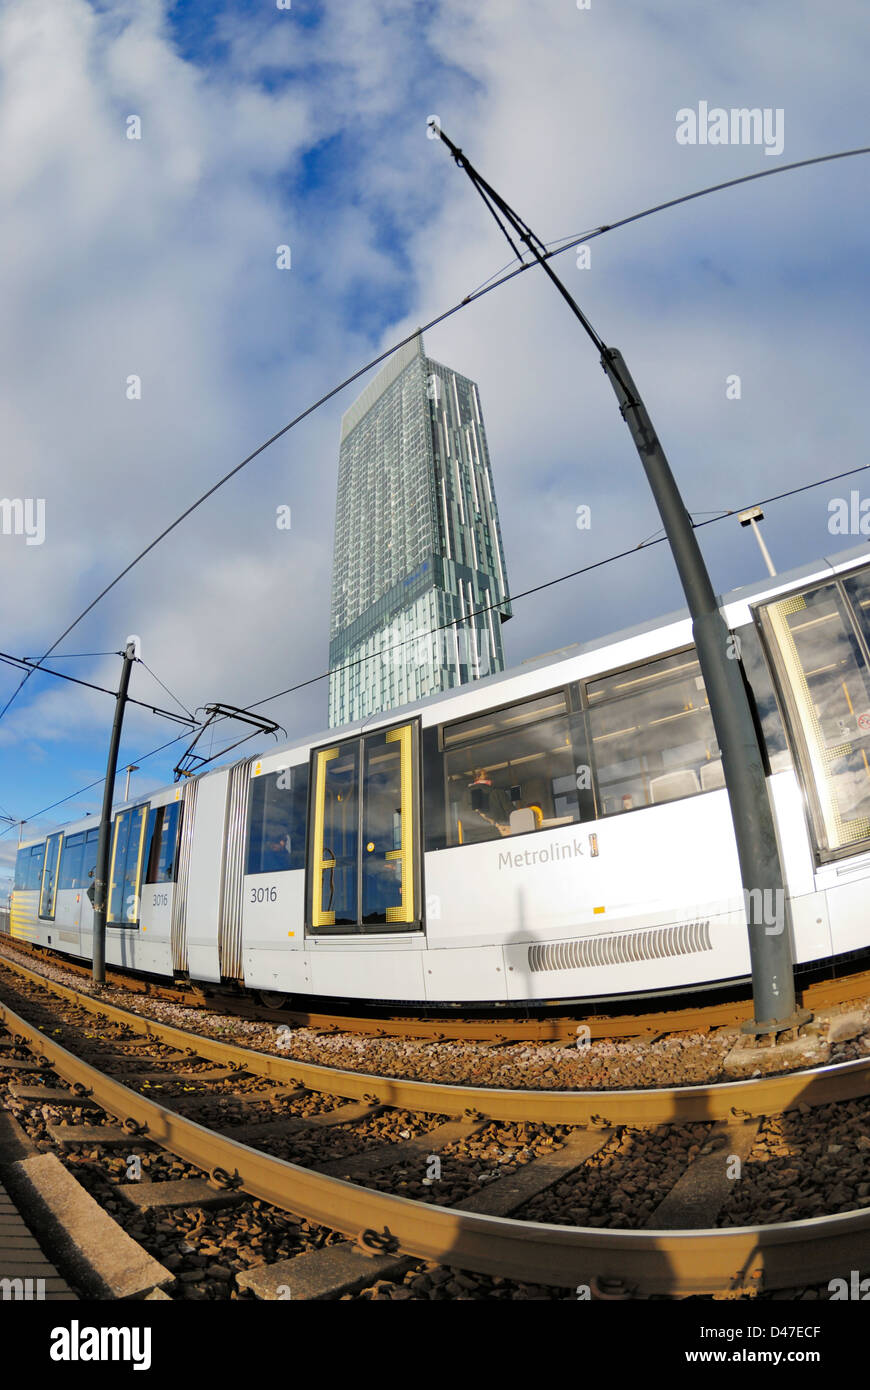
(543,1026)
(670,1236)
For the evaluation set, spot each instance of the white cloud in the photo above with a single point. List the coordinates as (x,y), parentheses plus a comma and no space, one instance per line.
(157,257)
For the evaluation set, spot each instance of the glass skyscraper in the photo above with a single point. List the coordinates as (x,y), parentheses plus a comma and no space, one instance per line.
(418,547)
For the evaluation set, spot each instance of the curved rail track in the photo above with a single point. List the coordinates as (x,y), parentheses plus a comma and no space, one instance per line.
(543,1026)
(648,1261)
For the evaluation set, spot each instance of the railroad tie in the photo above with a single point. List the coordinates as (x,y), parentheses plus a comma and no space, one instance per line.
(50,1095)
(410,1150)
(322,1274)
(698,1196)
(114,1058)
(295,1124)
(69,1135)
(178,1192)
(139,1074)
(513,1190)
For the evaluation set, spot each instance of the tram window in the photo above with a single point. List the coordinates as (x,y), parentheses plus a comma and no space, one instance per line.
(71,861)
(22,863)
(757,674)
(857,587)
(515,770)
(826,678)
(28,868)
(652,735)
(277,820)
(341,838)
(34,874)
(125,867)
(48,887)
(89,859)
(161,843)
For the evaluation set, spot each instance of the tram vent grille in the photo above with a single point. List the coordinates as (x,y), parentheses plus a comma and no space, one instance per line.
(624,948)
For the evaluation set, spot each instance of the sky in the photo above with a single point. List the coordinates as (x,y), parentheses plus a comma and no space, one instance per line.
(150,339)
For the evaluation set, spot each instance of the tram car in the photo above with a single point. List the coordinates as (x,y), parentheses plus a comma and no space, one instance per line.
(560,831)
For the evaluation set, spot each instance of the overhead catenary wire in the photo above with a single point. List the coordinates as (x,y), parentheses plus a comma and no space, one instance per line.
(439,318)
(19,661)
(180,703)
(560,579)
(723,514)
(72,656)
(122,763)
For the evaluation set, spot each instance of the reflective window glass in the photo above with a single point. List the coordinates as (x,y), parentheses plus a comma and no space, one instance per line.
(652,735)
(22,866)
(125,870)
(162,842)
(382,829)
(48,894)
(89,862)
(71,861)
(760,683)
(340,835)
(277,820)
(825,676)
(516,770)
(34,875)
(857,587)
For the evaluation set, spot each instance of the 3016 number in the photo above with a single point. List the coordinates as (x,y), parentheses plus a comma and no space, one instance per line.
(264,895)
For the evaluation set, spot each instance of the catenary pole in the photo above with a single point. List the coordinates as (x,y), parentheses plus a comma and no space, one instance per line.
(767,909)
(131,652)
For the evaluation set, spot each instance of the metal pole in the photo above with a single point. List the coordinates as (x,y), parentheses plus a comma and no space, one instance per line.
(130,770)
(102,871)
(763,548)
(768,913)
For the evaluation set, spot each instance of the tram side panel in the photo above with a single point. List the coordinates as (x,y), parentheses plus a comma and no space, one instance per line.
(273,887)
(643,902)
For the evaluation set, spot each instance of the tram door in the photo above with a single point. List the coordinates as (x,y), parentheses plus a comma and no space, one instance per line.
(363,862)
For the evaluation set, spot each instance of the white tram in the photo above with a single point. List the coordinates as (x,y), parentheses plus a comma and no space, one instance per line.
(556,832)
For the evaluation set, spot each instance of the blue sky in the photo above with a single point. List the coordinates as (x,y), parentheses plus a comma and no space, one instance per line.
(263,127)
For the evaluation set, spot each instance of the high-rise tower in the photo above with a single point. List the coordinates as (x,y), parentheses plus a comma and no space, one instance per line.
(417,542)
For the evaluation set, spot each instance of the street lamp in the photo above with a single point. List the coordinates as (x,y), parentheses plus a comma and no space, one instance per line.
(133,767)
(751,517)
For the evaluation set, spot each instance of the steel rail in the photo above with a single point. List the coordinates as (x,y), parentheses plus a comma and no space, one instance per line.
(725,1100)
(544,1029)
(648,1262)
